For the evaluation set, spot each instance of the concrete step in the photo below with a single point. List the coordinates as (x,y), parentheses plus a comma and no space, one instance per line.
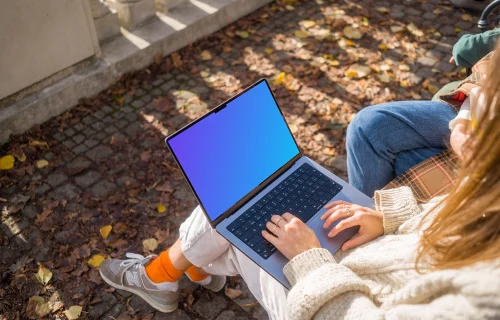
(133,50)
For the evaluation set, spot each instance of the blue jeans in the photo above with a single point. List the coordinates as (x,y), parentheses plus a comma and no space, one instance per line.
(383,141)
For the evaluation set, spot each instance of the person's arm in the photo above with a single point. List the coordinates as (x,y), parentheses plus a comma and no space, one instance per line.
(473,47)
(323,289)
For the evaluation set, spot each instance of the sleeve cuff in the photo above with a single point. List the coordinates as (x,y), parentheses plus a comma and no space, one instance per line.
(306,262)
(397,206)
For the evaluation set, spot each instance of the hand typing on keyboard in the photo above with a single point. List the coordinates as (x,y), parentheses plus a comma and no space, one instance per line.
(290,235)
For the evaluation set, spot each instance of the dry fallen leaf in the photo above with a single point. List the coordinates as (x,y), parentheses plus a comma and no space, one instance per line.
(37,308)
(358,71)
(242,34)
(7,162)
(150,244)
(176,60)
(205,55)
(279,79)
(161,208)
(467,17)
(96,260)
(384,78)
(289,7)
(73,312)
(233,293)
(302,34)
(268,50)
(43,275)
(105,231)
(39,144)
(382,47)
(396,29)
(293,128)
(42,164)
(382,9)
(307,24)
(353,33)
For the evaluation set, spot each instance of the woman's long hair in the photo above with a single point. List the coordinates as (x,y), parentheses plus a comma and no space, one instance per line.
(466,228)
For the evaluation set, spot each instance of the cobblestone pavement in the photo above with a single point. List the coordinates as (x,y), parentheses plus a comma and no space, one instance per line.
(107,163)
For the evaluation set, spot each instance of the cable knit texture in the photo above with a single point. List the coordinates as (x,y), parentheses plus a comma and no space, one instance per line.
(378,280)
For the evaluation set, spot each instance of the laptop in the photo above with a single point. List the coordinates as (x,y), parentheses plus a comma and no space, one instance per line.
(244,165)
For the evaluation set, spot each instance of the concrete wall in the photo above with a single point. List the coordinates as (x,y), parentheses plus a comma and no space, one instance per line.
(40,38)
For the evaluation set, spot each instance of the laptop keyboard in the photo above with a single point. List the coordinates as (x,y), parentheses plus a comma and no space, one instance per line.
(302,193)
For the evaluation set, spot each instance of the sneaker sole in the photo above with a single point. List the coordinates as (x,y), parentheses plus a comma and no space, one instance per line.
(216,289)
(163,308)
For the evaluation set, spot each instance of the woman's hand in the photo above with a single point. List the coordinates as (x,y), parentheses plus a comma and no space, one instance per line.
(459,136)
(290,235)
(370,222)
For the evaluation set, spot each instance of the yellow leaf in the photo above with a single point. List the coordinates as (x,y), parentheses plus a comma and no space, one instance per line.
(268,50)
(457,29)
(242,34)
(42,164)
(7,162)
(204,73)
(404,83)
(382,47)
(333,63)
(328,56)
(467,17)
(432,89)
(120,100)
(161,208)
(308,24)
(43,275)
(351,73)
(302,34)
(293,128)
(205,55)
(351,43)
(73,312)
(39,144)
(289,7)
(382,9)
(384,78)
(353,33)
(96,260)
(279,79)
(105,231)
(404,67)
(365,22)
(150,244)
(22,157)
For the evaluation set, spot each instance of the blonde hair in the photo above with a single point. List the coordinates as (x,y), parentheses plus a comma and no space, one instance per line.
(467,226)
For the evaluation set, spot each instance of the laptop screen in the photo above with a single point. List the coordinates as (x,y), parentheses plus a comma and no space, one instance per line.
(228,153)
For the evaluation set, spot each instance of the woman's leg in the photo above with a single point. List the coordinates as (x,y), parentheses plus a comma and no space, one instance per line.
(204,247)
(385,140)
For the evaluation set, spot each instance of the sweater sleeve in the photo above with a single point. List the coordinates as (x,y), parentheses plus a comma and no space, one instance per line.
(397,206)
(473,47)
(323,289)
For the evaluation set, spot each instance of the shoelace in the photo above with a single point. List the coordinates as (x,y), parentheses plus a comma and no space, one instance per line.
(135,260)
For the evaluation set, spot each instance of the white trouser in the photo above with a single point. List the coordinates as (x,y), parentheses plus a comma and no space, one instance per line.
(204,247)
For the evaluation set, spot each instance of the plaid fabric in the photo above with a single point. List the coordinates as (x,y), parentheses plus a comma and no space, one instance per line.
(430,178)
(458,96)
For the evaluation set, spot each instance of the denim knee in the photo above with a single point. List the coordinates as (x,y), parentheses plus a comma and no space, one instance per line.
(361,124)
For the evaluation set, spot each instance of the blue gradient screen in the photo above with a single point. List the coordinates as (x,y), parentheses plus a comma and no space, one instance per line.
(229,153)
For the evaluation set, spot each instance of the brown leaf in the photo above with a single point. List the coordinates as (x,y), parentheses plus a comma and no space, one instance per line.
(120,227)
(39,144)
(146,156)
(190,299)
(165,187)
(161,235)
(176,60)
(158,57)
(232,293)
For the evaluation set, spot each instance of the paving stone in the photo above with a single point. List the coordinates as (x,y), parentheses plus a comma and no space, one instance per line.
(80,148)
(55,179)
(108,120)
(124,293)
(231,315)
(69,144)
(115,312)
(77,165)
(210,308)
(97,310)
(59,136)
(131,117)
(176,315)
(91,143)
(125,181)
(425,73)
(88,120)
(147,99)
(88,132)
(122,123)
(448,31)
(429,16)
(78,138)
(98,126)
(118,115)
(107,109)
(87,179)
(49,156)
(133,129)
(156,92)
(29,211)
(69,132)
(137,103)
(434,54)
(127,109)
(140,305)
(111,129)
(100,135)
(445,66)
(65,192)
(397,14)
(103,188)
(42,189)
(426,61)
(99,114)
(79,126)
(158,82)
(99,153)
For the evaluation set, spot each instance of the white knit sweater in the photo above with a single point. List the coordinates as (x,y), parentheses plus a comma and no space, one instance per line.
(378,280)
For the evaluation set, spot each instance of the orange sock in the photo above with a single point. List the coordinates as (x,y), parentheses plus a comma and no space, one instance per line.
(195,275)
(161,269)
